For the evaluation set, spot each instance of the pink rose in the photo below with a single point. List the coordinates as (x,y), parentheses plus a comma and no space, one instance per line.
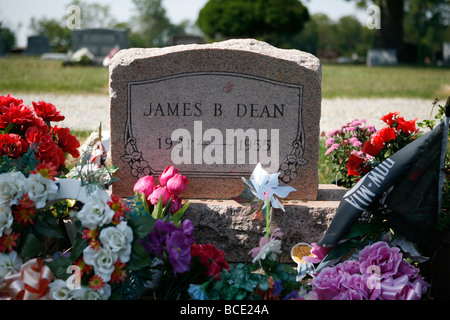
(158,193)
(328,283)
(168,173)
(145,185)
(177,184)
(382,256)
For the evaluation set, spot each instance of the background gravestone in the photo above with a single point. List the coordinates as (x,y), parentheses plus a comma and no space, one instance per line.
(446,53)
(99,41)
(2,47)
(382,57)
(38,45)
(209,89)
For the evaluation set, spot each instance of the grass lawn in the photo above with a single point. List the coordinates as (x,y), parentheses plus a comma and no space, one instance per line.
(32,74)
(359,81)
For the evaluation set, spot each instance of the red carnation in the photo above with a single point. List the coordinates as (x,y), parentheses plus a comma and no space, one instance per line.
(371,148)
(5,101)
(12,145)
(47,111)
(354,165)
(408,127)
(67,142)
(390,118)
(211,258)
(386,134)
(47,149)
(16,114)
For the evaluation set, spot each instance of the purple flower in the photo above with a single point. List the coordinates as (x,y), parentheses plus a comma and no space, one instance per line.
(329,142)
(333,147)
(382,256)
(357,285)
(355,142)
(349,266)
(174,241)
(333,132)
(178,251)
(328,283)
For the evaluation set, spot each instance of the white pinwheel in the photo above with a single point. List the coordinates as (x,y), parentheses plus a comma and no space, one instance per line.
(263,185)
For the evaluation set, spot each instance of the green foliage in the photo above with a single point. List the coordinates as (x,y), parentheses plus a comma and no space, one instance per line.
(267,20)
(237,284)
(8,37)
(154,28)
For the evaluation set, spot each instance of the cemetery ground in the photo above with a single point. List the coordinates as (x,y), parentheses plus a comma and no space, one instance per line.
(348,91)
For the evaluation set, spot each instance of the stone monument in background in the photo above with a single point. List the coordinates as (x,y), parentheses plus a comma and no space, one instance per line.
(99,41)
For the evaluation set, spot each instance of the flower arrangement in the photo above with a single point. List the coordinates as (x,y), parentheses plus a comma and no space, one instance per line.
(377,272)
(344,146)
(356,148)
(99,246)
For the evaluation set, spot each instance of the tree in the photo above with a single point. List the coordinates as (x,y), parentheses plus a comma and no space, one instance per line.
(57,32)
(269,20)
(8,37)
(154,28)
(347,36)
(394,14)
(94,15)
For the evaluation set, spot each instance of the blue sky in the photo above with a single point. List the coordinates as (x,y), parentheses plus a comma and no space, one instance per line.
(16,14)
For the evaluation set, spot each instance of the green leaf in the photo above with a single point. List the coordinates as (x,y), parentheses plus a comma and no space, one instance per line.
(141,206)
(141,225)
(158,210)
(176,218)
(139,257)
(79,244)
(47,225)
(31,246)
(59,267)
(361,229)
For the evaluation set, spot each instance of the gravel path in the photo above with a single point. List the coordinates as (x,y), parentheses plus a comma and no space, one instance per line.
(85,112)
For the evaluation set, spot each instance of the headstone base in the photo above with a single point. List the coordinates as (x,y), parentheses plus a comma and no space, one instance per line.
(231,228)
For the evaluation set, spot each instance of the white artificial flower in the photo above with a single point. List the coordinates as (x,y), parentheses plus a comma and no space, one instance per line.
(102,260)
(86,293)
(270,249)
(6,219)
(59,290)
(9,263)
(118,239)
(96,211)
(11,187)
(40,189)
(264,182)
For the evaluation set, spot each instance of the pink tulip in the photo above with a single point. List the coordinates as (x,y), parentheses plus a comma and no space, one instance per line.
(168,173)
(158,193)
(145,185)
(177,184)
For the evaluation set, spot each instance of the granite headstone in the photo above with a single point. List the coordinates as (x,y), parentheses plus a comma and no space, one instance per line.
(382,57)
(38,45)
(99,41)
(214,111)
